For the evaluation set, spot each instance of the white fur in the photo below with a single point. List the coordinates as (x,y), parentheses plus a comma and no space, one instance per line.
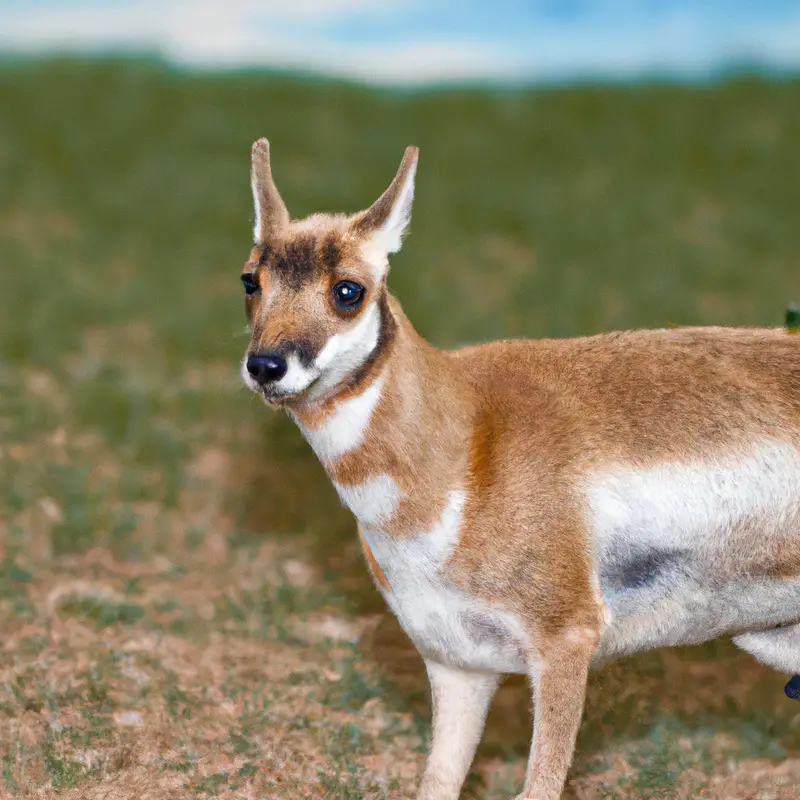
(341,355)
(257,208)
(390,234)
(374,501)
(297,378)
(446,624)
(376,257)
(778,648)
(673,504)
(460,700)
(345,352)
(389,237)
(695,510)
(247,378)
(345,428)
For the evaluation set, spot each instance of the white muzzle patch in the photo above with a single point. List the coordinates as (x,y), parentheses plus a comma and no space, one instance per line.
(341,355)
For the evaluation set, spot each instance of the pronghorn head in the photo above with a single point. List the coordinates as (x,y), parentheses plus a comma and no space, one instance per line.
(315,289)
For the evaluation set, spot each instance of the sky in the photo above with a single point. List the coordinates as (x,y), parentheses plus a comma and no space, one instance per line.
(423,41)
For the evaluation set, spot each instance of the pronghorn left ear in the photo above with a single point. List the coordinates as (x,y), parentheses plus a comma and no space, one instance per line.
(386,220)
(272,215)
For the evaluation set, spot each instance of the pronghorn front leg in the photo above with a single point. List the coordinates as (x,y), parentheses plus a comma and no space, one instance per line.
(558,675)
(460,700)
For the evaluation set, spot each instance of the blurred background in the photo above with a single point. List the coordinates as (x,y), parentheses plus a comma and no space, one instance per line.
(184,609)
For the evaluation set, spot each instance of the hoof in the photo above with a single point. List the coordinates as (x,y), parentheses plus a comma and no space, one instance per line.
(792,688)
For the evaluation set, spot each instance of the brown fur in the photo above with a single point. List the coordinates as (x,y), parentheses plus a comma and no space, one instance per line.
(425,466)
(297,269)
(273,215)
(523,421)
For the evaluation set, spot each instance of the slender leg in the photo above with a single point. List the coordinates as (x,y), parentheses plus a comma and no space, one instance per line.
(460,703)
(559,677)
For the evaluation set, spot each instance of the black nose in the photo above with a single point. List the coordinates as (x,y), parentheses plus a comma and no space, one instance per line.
(266,369)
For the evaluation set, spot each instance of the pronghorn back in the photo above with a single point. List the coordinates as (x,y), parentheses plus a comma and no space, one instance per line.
(649,395)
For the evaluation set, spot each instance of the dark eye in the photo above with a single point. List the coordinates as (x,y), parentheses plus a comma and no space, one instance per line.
(250,283)
(348,294)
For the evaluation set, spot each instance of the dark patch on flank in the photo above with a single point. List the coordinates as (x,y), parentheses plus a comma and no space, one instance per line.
(632,570)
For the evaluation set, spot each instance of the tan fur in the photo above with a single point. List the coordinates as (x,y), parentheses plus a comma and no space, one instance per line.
(518,426)
(272,212)
(291,308)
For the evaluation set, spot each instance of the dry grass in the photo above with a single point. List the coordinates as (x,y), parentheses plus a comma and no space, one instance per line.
(225,665)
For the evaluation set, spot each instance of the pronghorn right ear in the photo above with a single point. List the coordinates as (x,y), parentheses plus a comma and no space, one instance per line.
(386,220)
(271,213)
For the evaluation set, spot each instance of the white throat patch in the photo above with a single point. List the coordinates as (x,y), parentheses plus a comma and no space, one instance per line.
(374,501)
(346,427)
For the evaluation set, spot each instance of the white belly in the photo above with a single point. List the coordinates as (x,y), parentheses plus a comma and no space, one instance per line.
(673,543)
(444,623)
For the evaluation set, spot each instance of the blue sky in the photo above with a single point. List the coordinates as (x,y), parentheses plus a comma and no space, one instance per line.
(419,41)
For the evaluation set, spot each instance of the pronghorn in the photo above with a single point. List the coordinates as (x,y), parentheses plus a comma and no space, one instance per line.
(533,507)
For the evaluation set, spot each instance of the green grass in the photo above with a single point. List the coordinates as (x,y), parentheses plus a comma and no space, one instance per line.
(171,549)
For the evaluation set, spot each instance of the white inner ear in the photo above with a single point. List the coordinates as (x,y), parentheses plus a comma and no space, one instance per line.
(389,237)
(257,208)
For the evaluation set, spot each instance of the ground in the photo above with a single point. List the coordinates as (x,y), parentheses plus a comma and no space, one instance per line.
(183,607)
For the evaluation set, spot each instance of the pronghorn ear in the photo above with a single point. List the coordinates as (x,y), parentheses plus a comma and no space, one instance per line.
(270,210)
(386,220)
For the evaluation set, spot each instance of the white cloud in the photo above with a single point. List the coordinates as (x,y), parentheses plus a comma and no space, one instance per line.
(307,35)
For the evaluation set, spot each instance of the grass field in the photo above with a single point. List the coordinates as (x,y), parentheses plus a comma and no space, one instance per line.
(183,607)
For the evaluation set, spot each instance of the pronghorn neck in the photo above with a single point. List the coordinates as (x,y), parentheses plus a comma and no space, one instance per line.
(401,430)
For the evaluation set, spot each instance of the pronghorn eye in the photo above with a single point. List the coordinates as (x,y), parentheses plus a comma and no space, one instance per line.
(348,294)
(250,283)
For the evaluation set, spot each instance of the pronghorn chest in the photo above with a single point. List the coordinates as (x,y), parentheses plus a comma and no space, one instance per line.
(444,622)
